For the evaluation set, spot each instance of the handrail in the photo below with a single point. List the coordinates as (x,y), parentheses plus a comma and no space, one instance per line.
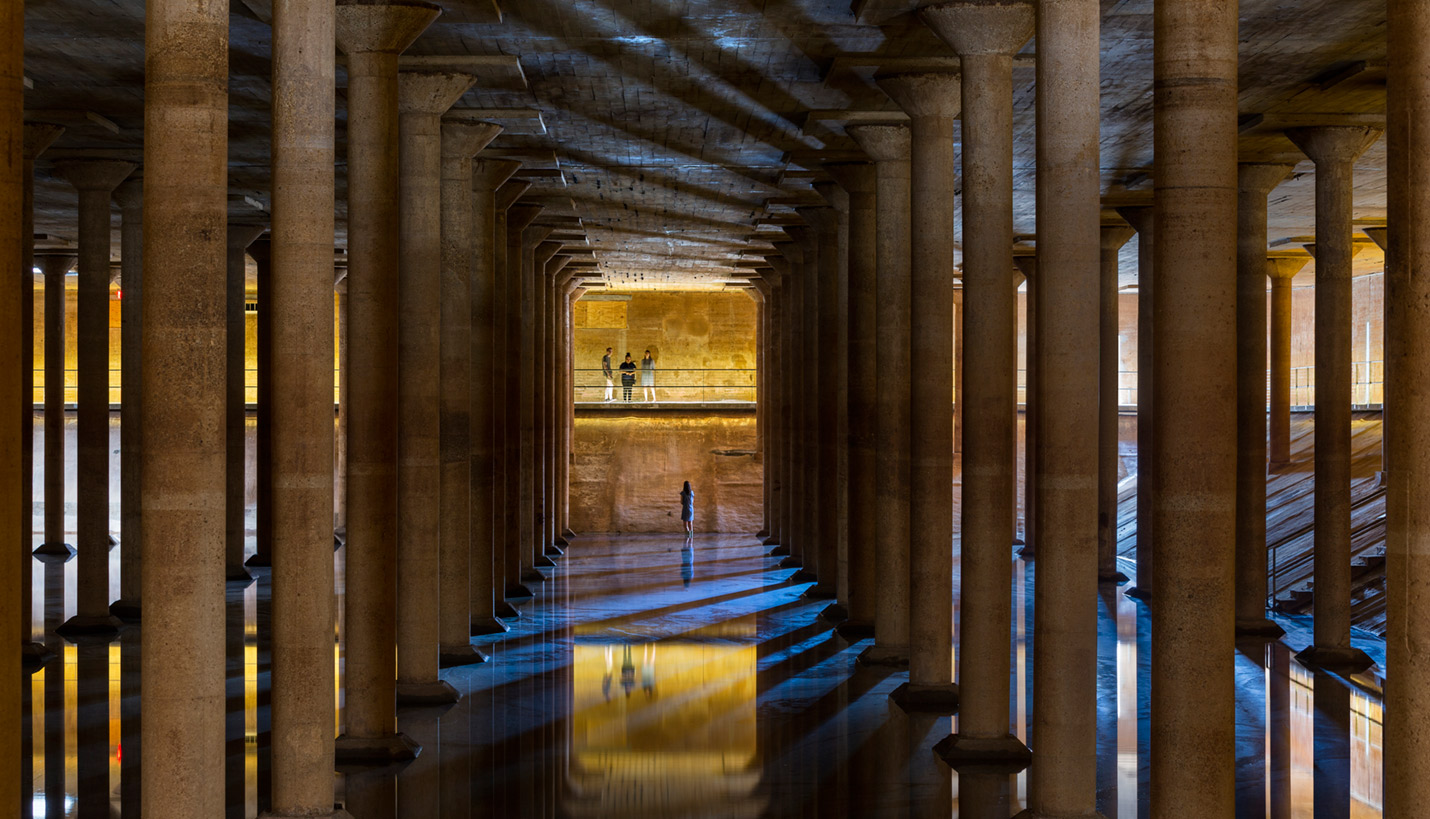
(673,385)
(250,391)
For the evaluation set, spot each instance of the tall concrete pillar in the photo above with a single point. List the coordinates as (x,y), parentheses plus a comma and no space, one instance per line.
(1140,217)
(931,101)
(1193,722)
(545,423)
(511,221)
(95,180)
(295,395)
(1255,181)
(521,244)
(834,250)
(806,341)
(240,236)
(533,392)
(129,196)
(824,331)
(184,333)
(888,146)
(1282,268)
(986,35)
(787,260)
(486,398)
(37,137)
(558,276)
(1114,236)
(422,98)
(372,36)
(1334,149)
(1062,779)
(54,548)
(859,181)
(459,494)
(1407,337)
(13,357)
(1028,266)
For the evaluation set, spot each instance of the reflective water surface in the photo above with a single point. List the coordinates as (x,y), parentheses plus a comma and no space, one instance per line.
(649,679)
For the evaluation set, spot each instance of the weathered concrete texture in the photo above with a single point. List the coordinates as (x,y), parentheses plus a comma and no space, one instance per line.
(13,358)
(129,196)
(627,473)
(1281,269)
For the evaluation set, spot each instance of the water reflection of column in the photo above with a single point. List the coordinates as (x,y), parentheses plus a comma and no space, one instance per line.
(130,722)
(92,728)
(981,793)
(1252,775)
(372,794)
(454,772)
(54,692)
(1332,739)
(1108,712)
(1278,723)
(419,786)
(235,715)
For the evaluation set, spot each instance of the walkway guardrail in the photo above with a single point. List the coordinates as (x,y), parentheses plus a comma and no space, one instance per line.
(670,386)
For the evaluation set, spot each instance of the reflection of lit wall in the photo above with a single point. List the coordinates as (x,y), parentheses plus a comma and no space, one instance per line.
(667,728)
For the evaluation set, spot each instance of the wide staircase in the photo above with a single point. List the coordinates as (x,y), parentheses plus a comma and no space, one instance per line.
(1290,511)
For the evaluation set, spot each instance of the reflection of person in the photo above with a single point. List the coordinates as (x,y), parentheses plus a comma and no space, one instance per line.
(648,377)
(628,376)
(687,510)
(687,564)
(606,370)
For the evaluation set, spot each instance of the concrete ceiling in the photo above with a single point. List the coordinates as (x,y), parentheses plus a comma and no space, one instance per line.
(666,125)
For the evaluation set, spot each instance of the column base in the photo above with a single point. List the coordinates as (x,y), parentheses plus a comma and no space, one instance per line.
(491,625)
(543,561)
(762,534)
(423,695)
(779,549)
(338,813)
(1115,577)
(1139,593)
(113,542)
(338,543)
(562,542)
(506,611)
(532,576)
(54,553)
(126,610)
(1026,551)
(1259,629)
(854,631)
(554,550)
(791,562)
(375,752)
(33,656)
(1005,754)
(88,627)
(239,576)
(803,576)
(820,591)
(519,591)
(1335,658)
(927,699)
(834,612)
(568,534)
(261,560)
(884,656)
(1017,541)
(453,656)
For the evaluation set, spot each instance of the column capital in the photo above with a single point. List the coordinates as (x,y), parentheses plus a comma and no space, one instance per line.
(1377,234)
(382,28)
(241,235)
(1138,216)
(430,92)
(39,136)
(818,217)
(1027,264)
(883,142)
(462,139)
(832,193)
(1285,266)
(854,177)
(533,235)
(1261,177)
(803,235)
(981,27)
(924,94)
(779,263)
(57,264)
(789,249)
(261,250)
(1334,143)
(520,216)
(509,192)
(130,193)
(545,252)
(95,174)
(489,175)
(1114,235)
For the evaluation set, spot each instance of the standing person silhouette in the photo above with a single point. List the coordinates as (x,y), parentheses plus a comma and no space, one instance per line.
(628,376)
(610,377)
(648,377)
(687,511)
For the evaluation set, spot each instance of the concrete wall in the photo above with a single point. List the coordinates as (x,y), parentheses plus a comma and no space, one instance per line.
(627,471)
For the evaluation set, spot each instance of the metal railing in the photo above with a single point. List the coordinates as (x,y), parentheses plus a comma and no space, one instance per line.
(683,385)
(250,392)
(1367,384)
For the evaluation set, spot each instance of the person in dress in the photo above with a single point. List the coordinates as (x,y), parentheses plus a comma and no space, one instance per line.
(648,377)
(687,510)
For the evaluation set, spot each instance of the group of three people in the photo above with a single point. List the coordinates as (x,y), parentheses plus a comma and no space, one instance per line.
(628,376)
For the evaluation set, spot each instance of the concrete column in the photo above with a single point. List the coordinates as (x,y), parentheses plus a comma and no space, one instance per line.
(514,219)
(1141,219)
(261,252)
(519,529)
(774,410)
(13,357)
(557,278)
(1282,269)
(859,182)
(835,245)
(1062,779)
(235,411)
(931,101)
(459,496)
(95,180)
(1028,266)
(487,175)
(1407,338)
(806,340)
(1334,149)
(183,345)
(129,196)
(295,395)
(1114,236)
(422,98)
(533,395)
(1193,722)
(545,421)
(824,327)
(372,36)
(888,146)
(986,35)
(1255,181)
(54,548)
(37,137)
(788,259)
